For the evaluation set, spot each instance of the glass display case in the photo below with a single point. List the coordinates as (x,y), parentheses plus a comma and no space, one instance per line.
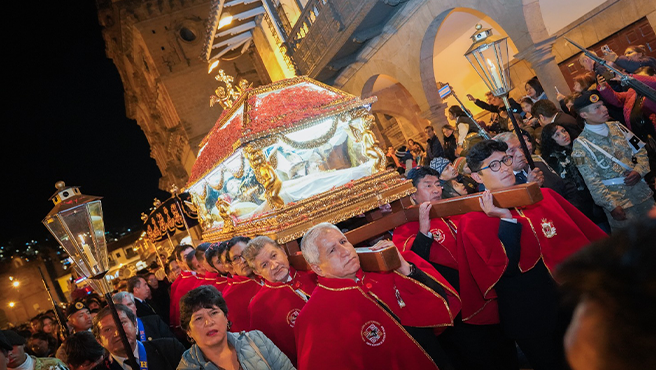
(277,146)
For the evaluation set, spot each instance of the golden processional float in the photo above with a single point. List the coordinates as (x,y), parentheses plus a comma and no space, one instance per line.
(286,156)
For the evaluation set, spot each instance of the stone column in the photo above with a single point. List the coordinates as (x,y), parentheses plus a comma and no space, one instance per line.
(436,116)
(544,64)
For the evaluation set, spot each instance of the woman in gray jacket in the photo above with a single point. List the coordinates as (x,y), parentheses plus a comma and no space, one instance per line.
(203,315)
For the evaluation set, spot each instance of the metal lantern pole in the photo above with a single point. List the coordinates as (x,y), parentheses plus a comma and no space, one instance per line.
(77,224)
(481,131)
(58,316)
(488,55)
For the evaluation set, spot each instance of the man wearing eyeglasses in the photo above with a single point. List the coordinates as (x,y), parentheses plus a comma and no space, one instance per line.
(506,258)
(242,286)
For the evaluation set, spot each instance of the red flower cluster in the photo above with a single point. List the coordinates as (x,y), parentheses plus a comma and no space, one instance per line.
(219,146)
(284,108)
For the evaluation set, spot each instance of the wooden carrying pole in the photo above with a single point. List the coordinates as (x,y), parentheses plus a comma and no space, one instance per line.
(516,196)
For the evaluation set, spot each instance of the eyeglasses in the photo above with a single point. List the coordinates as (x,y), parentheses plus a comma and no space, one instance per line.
(495,165)
(238,258)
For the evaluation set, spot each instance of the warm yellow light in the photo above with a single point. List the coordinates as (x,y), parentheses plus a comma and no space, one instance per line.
(12,304)
(212,66)
(226,19)
(15,284)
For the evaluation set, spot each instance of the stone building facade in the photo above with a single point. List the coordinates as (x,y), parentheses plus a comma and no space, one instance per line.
(155,46)
(398,50)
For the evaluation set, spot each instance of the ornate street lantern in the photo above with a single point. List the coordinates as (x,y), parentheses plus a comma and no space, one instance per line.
(77,224)
(488,55)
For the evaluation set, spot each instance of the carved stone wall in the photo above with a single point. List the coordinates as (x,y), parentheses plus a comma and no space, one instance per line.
(155,46)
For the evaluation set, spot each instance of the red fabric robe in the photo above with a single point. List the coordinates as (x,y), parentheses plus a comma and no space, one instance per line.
(275,307)
(343,327)
(552,230)
(443,251)
(213,278)
(238,295)
(183,284)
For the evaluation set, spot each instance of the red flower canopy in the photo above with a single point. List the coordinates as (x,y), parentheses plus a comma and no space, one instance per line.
(264,111)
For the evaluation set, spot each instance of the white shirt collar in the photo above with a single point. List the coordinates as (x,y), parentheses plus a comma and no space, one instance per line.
(28,364)
(121,360)
(598,129)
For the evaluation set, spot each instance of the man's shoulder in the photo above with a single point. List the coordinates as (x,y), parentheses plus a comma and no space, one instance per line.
(164,345)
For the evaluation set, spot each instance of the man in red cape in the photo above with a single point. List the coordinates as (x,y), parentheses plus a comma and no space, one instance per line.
(242,286)
(185,282)
(367,320)
(213,259)
(506,259)
(275,307)
(468,346)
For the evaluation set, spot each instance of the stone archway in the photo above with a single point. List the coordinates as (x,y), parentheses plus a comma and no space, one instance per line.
(398,116)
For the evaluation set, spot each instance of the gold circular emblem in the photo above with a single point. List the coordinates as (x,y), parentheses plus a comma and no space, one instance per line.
(594,98)
(79,305)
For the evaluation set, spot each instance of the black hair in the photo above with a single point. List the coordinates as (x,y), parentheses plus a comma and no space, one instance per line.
(448,191)
(135,282)
(82,347)
(206,296)
(549,145)
(536,85)
(179,249)
(545,108)
(618,274)
(107,311)
(481,151)
(456,111)
(214,250)
(231,243)
(39,335)
(418,173)
(201,249)
(189,258)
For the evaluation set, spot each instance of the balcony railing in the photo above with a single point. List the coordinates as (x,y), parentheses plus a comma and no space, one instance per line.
(318,30)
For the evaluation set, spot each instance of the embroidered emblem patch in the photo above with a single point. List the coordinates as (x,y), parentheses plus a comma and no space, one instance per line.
(438,235)
(373,333)
(594,98)
(291,317)
(548,228)
(79,305)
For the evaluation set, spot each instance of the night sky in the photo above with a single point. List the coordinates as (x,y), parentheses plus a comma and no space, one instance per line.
(64,119)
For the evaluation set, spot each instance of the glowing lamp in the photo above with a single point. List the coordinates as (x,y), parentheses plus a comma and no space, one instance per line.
(488,55)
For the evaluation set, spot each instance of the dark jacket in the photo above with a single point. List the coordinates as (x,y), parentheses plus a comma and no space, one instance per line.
(434,148)
(155,327)
(163,354)
(143,309)
(514,106)
(631,64)
(450,146)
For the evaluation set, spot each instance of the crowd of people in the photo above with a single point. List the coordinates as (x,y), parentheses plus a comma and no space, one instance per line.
(541,286)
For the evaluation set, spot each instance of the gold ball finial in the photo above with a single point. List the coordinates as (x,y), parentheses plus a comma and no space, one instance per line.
(479,26)
(60,185)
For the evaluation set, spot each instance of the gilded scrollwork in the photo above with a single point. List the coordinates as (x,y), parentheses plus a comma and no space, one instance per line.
(362,133)
(265,175)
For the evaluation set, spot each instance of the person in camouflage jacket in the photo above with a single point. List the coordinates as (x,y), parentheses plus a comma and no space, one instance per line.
(612,162)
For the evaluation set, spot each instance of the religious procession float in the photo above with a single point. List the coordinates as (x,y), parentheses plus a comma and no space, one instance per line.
(286,156)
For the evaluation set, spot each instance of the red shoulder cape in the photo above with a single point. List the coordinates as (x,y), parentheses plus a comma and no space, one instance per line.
(276,306)
(361,334)
(185,282)
(443,251)
(238,295)
(552,230)
(215,279)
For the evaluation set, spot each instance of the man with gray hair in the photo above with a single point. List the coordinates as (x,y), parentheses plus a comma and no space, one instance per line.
(150,327)
(388,317)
